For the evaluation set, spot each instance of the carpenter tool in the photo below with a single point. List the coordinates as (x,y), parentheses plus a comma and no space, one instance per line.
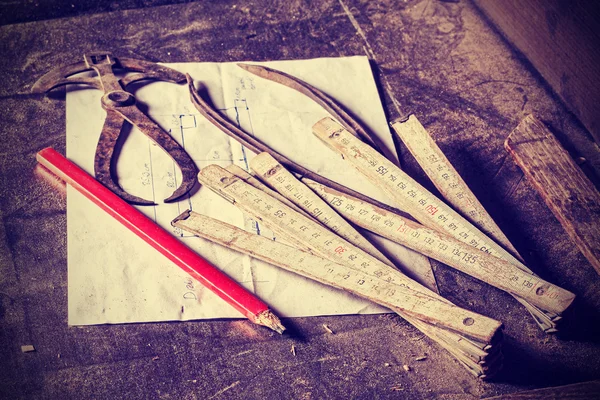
(436,215)
(448,179)
(416,299)
(257,146)
(120,106)
(329,105)
(439,246)
(167,244)
(272,173)
(481,359)
(314,204)
(454,189)
(337,262)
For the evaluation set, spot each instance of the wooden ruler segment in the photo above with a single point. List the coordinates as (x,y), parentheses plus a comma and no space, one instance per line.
(447,180)
(251,180)
(287,185)
(424,206)
(444,248)
(418,201)
(306,231)
(564,187)
(275,175)
(346,204)
(468,352)
(366,274)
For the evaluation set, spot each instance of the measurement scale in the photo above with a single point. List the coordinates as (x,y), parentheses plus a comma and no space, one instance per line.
(444,248)
(454,189)
(413,298)
(276,176)
(448,250)
(478,358)
(475,359)
(421,204)
(251,180)
(447,180)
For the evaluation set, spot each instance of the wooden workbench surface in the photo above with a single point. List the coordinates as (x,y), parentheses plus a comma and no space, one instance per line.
(441,60)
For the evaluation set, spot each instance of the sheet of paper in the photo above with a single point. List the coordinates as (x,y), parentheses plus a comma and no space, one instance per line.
(114,277)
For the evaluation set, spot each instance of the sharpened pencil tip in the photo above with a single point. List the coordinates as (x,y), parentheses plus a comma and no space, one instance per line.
(270,320)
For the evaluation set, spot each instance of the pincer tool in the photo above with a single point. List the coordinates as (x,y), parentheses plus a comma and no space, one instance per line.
(120,105)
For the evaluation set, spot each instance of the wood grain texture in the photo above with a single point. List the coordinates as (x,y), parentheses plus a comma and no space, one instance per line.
(566,190)
(584,390)
(562,41)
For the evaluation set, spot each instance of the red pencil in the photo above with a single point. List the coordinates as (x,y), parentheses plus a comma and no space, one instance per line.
(212,278)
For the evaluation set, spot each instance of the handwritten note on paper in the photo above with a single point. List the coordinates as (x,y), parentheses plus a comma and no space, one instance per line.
(114,277)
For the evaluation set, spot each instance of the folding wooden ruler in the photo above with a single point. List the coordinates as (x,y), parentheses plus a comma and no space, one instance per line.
(310,216)
(473,339)
(543,300)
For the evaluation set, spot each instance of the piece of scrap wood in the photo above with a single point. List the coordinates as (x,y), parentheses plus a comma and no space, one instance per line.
(566,190)
(328,329)
(584,390)
(27,348)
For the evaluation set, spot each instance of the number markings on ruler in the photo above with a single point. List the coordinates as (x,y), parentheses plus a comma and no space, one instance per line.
(420,203)
(424,206)
(276,176)
(474,356)
(446,179)
(418,300)
(283,218)
(444,248)
(443,175)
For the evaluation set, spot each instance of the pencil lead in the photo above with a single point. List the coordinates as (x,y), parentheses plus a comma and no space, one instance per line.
(270,320)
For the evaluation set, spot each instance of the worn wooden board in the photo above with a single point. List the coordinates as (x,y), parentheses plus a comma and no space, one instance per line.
(584,390)
(564,187)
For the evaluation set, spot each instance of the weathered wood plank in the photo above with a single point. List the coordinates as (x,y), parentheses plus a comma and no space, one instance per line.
(564,187)
(583,390)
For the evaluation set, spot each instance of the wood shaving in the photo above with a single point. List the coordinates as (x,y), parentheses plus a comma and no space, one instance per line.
(328,329)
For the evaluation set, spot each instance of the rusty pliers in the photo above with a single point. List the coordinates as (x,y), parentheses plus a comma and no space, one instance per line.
(120,106)
(254,144)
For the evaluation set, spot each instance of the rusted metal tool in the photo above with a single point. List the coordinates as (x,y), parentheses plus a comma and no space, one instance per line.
(120,106)
(257,146)
(336,111)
